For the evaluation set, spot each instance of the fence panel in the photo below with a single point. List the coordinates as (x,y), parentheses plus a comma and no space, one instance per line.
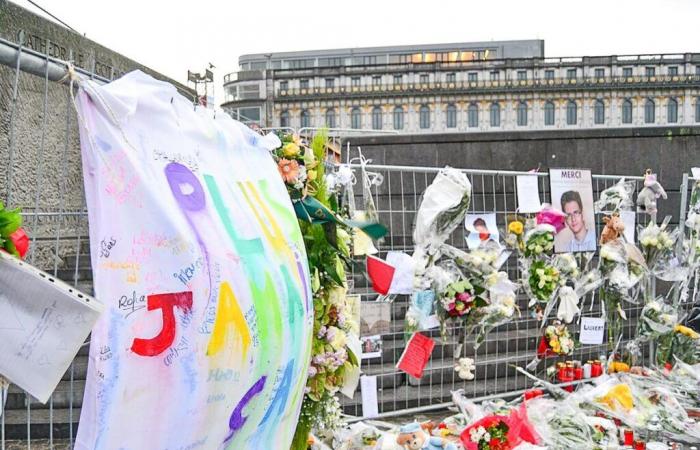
(397,200)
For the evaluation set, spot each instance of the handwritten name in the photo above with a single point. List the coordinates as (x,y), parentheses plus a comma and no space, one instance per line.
(107,246)
(132,303)
(185,275)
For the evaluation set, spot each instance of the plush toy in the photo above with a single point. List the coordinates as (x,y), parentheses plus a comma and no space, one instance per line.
(646,200)
(464,368)
(614,226)
(412,437)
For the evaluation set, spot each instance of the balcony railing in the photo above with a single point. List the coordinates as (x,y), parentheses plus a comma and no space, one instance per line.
(580,82)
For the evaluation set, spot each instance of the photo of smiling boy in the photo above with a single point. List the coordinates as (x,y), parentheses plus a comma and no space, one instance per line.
(572,194)
(583,235)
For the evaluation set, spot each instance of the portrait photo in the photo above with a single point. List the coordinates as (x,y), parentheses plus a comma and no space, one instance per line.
(572,194)
(482,230)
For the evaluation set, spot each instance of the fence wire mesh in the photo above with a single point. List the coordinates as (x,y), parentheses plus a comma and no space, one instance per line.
(40,157)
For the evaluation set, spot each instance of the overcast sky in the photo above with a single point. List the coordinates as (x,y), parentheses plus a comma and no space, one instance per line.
(174,36)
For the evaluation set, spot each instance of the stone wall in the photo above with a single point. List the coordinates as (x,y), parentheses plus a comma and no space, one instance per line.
(40,164)
(670,151)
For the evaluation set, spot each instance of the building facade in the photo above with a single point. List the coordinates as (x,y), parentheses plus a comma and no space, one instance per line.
(495,86)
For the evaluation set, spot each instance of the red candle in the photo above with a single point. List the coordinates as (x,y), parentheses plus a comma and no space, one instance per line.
(533,393)
(629,437)
(596,369)
(578,373)
(639,445)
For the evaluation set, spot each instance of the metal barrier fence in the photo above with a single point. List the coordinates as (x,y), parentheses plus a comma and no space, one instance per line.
(397,200)
(40,157)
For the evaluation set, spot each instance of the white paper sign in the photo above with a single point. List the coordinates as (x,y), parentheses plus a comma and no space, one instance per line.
(696,172)
(370,407)
(592,330)
(43,323)
(404,268)
(628,218)
(528,194)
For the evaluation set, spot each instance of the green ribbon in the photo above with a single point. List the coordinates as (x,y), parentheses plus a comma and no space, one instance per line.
(311,210)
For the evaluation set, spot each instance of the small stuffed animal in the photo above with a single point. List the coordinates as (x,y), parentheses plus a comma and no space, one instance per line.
(464,369)
(614,226)
(646,200)
(412,437)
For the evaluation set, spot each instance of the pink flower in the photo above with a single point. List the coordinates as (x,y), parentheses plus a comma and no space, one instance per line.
(289,170)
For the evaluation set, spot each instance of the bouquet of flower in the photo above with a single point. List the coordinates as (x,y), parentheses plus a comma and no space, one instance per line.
(616,198)
(539,241)
(543,280)
(442,209)
(500,432)
(297,165)
(556,341)
(13,239)
(458,299)
(550,216)
(479,262)
(491,434)
(656,319)
(566,264)
(682,343)
(656,241)
(500,307)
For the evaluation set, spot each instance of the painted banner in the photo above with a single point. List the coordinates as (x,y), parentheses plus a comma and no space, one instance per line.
(199,260)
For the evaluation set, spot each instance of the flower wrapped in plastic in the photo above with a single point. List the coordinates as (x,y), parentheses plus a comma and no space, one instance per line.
(656,319)
(656,241)
(500,306)
(682,343)
(622,266)
(456,294)
(479,262)
(550,216)
(563,424)
(543,280)
(616,198)
(555,341)
(500,432)
(442,209)
(567,265)
(539,241)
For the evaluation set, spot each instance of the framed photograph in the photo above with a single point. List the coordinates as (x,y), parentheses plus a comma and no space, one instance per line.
(482,230)
(572,194)
(371,346)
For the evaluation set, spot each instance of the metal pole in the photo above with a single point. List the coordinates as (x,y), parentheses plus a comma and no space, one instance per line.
(13,109)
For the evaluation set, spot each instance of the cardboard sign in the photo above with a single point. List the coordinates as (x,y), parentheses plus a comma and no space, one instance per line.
(592,330)
(416,355)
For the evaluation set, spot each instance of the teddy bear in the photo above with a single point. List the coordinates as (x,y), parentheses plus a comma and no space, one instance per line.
(412,437)
(614,226)
(646,200)
(464,369)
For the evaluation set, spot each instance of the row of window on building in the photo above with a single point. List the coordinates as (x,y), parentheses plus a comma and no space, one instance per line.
(494,115)
(451,77)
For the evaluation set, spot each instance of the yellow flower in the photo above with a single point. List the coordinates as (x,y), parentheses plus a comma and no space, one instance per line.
(290,149)
(311,175)
(516,227)
(619,395)
(686,332)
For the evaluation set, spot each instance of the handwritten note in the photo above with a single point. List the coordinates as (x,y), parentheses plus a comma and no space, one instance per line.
(43,323)
(416,355)
(528,194)
(592,330)
(370,407)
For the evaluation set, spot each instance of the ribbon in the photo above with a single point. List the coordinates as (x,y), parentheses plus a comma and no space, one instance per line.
(311,210)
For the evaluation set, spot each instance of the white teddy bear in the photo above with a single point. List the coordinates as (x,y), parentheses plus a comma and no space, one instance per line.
(464,368)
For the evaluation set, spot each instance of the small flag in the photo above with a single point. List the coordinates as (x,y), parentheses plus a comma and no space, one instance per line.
(380,273)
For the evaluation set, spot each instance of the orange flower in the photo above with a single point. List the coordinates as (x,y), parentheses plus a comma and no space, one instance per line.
(288,169)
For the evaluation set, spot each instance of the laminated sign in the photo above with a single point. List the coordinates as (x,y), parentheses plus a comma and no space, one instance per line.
(199,260)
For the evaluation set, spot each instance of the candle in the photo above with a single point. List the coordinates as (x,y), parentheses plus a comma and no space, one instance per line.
(639,445)
(587,370)
(629,437)
(578,373)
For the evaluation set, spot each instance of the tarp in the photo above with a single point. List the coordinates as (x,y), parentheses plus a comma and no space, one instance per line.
(199,260)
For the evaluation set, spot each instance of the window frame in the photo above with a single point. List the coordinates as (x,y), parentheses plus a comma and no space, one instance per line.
(599,112)
(494,115)
(672,110)
(522,113)
(377,118)
(473,113)
(424,117)
(627,108)
(649,105)
(550,114)
(451,116)
(398,117)
(571,112)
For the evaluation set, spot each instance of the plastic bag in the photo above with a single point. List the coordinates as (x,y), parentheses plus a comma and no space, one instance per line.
(616,198)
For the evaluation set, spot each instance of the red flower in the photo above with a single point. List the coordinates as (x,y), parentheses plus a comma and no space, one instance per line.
(20,240)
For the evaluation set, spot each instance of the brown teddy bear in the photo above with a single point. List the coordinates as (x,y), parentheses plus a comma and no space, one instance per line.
(613,228)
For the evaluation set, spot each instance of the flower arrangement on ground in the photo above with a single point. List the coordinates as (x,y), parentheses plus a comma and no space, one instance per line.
(556,341)
(682,343)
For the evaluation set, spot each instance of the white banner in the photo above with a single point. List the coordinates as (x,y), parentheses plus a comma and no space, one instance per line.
(198,257)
